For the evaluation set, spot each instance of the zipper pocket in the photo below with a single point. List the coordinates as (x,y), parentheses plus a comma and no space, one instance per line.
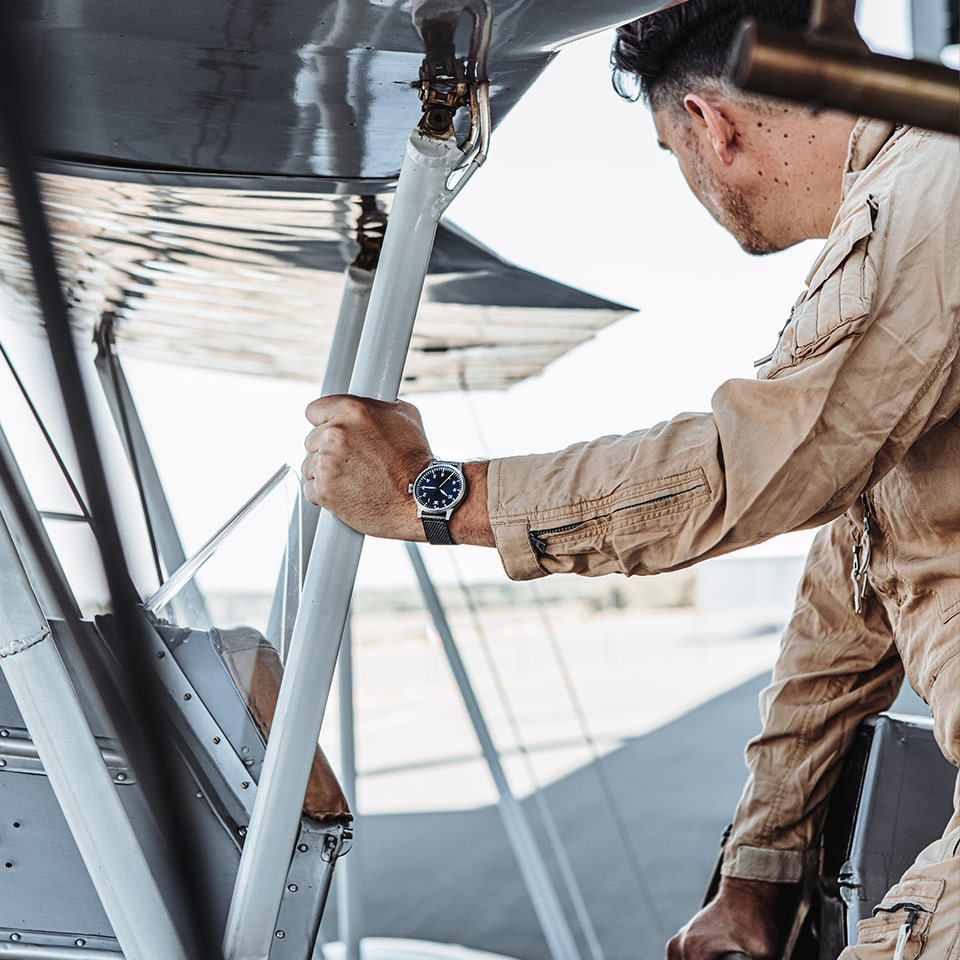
(541,547)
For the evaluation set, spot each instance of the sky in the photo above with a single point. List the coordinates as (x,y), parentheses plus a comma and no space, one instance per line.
(574,188)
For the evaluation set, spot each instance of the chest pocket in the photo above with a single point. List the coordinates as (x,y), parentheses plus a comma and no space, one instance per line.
(836,303)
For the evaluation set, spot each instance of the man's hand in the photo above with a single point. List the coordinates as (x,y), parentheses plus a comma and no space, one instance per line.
(363,454)
(739,919)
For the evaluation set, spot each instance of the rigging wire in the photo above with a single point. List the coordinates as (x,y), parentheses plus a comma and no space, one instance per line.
(105,345)
(627,844)
(21,386)
(546,814)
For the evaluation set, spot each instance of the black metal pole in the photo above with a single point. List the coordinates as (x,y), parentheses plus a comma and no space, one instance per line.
(151,749)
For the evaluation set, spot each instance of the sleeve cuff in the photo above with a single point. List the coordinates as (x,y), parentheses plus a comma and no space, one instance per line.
(512,536)
(772,866)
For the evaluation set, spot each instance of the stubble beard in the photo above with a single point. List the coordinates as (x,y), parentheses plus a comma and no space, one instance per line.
(731,209)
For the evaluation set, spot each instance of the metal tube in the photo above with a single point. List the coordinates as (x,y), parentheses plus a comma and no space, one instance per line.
(336,379)
(8,513)
(779,63)
(420,199)
(533,869)
(159,516)
(348,879)
(83,786)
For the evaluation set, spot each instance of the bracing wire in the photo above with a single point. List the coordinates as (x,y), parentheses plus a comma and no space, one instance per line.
(554,838)
(111,362)
(596,758)
(617,818)
(22,387)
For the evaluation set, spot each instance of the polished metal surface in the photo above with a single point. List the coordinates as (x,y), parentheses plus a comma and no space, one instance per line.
(286,88)
(249,281)
(203,167)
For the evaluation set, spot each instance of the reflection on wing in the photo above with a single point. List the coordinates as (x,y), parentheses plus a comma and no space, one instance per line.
(249,281)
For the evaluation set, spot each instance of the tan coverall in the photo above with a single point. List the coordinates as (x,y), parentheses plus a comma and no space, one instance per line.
(853,426)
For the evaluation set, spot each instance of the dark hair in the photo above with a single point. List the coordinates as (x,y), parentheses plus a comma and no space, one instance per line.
(655,55)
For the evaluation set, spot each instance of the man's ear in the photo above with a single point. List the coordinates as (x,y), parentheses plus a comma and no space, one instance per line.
(717,125)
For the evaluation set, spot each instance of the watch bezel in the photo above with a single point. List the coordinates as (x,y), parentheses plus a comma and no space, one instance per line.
(447,511)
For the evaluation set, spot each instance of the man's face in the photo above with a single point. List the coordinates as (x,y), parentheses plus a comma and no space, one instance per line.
(738,205)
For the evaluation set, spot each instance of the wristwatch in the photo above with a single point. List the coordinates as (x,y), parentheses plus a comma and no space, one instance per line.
(438,490)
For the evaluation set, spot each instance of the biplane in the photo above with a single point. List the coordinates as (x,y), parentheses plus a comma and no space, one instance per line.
(202,185)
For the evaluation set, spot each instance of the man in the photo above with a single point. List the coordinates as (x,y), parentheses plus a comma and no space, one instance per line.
(852,426)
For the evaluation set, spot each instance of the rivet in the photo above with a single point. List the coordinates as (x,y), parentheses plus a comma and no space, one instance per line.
(15,937)
(3,763)
(216,739)
(244,749)
(242,831)
(280,934)
(80,942)
(121,776)
(4,733)
(303,848)
(186,696)
(245,784)
(293,888)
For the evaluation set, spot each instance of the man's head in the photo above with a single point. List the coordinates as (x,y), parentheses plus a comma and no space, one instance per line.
(766,170)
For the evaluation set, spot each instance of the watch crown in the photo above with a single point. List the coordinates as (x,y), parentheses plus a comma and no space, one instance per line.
(409,488)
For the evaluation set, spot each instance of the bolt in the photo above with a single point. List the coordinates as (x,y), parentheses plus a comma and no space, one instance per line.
(244,749)
(199,794)
(15,937)
(4,733)
(216,739)
(160,654)
(293,888)
(280,934)
(3,763)
(437,120)
(303,848)
(248,762)
(186,696)
(80,942)
(245,784)
(121,776)
(242,831)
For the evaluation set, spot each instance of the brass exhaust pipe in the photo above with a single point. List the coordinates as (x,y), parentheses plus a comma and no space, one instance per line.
(775,62)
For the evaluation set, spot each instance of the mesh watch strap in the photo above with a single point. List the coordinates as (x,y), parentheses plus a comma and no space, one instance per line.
(437,529)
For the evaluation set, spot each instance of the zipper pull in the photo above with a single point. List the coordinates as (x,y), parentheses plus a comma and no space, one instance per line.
(905,928)
(862,549)
(855,577)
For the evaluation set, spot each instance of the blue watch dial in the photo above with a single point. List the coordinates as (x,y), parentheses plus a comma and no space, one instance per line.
(439,487)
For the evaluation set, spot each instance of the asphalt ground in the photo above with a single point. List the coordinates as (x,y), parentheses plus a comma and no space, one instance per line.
(450,877)
(672,699)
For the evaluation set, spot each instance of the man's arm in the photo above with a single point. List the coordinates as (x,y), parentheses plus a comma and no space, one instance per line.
(363,454)
(868,363)
(835,667)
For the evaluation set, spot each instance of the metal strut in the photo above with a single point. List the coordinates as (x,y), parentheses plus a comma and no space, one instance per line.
(423,193)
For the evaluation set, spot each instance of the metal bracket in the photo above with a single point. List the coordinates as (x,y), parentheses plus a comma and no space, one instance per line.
(448,83)
(18,754)
(832,23)
(318,847)
(41,945)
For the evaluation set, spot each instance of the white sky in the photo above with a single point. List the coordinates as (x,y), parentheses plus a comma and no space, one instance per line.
(575,188)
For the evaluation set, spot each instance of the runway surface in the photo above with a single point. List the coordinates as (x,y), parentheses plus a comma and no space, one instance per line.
(451,877)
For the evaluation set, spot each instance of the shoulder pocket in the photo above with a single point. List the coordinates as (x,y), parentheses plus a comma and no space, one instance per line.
(837,300)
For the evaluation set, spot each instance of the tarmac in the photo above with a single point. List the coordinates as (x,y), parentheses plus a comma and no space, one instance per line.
(448,874)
